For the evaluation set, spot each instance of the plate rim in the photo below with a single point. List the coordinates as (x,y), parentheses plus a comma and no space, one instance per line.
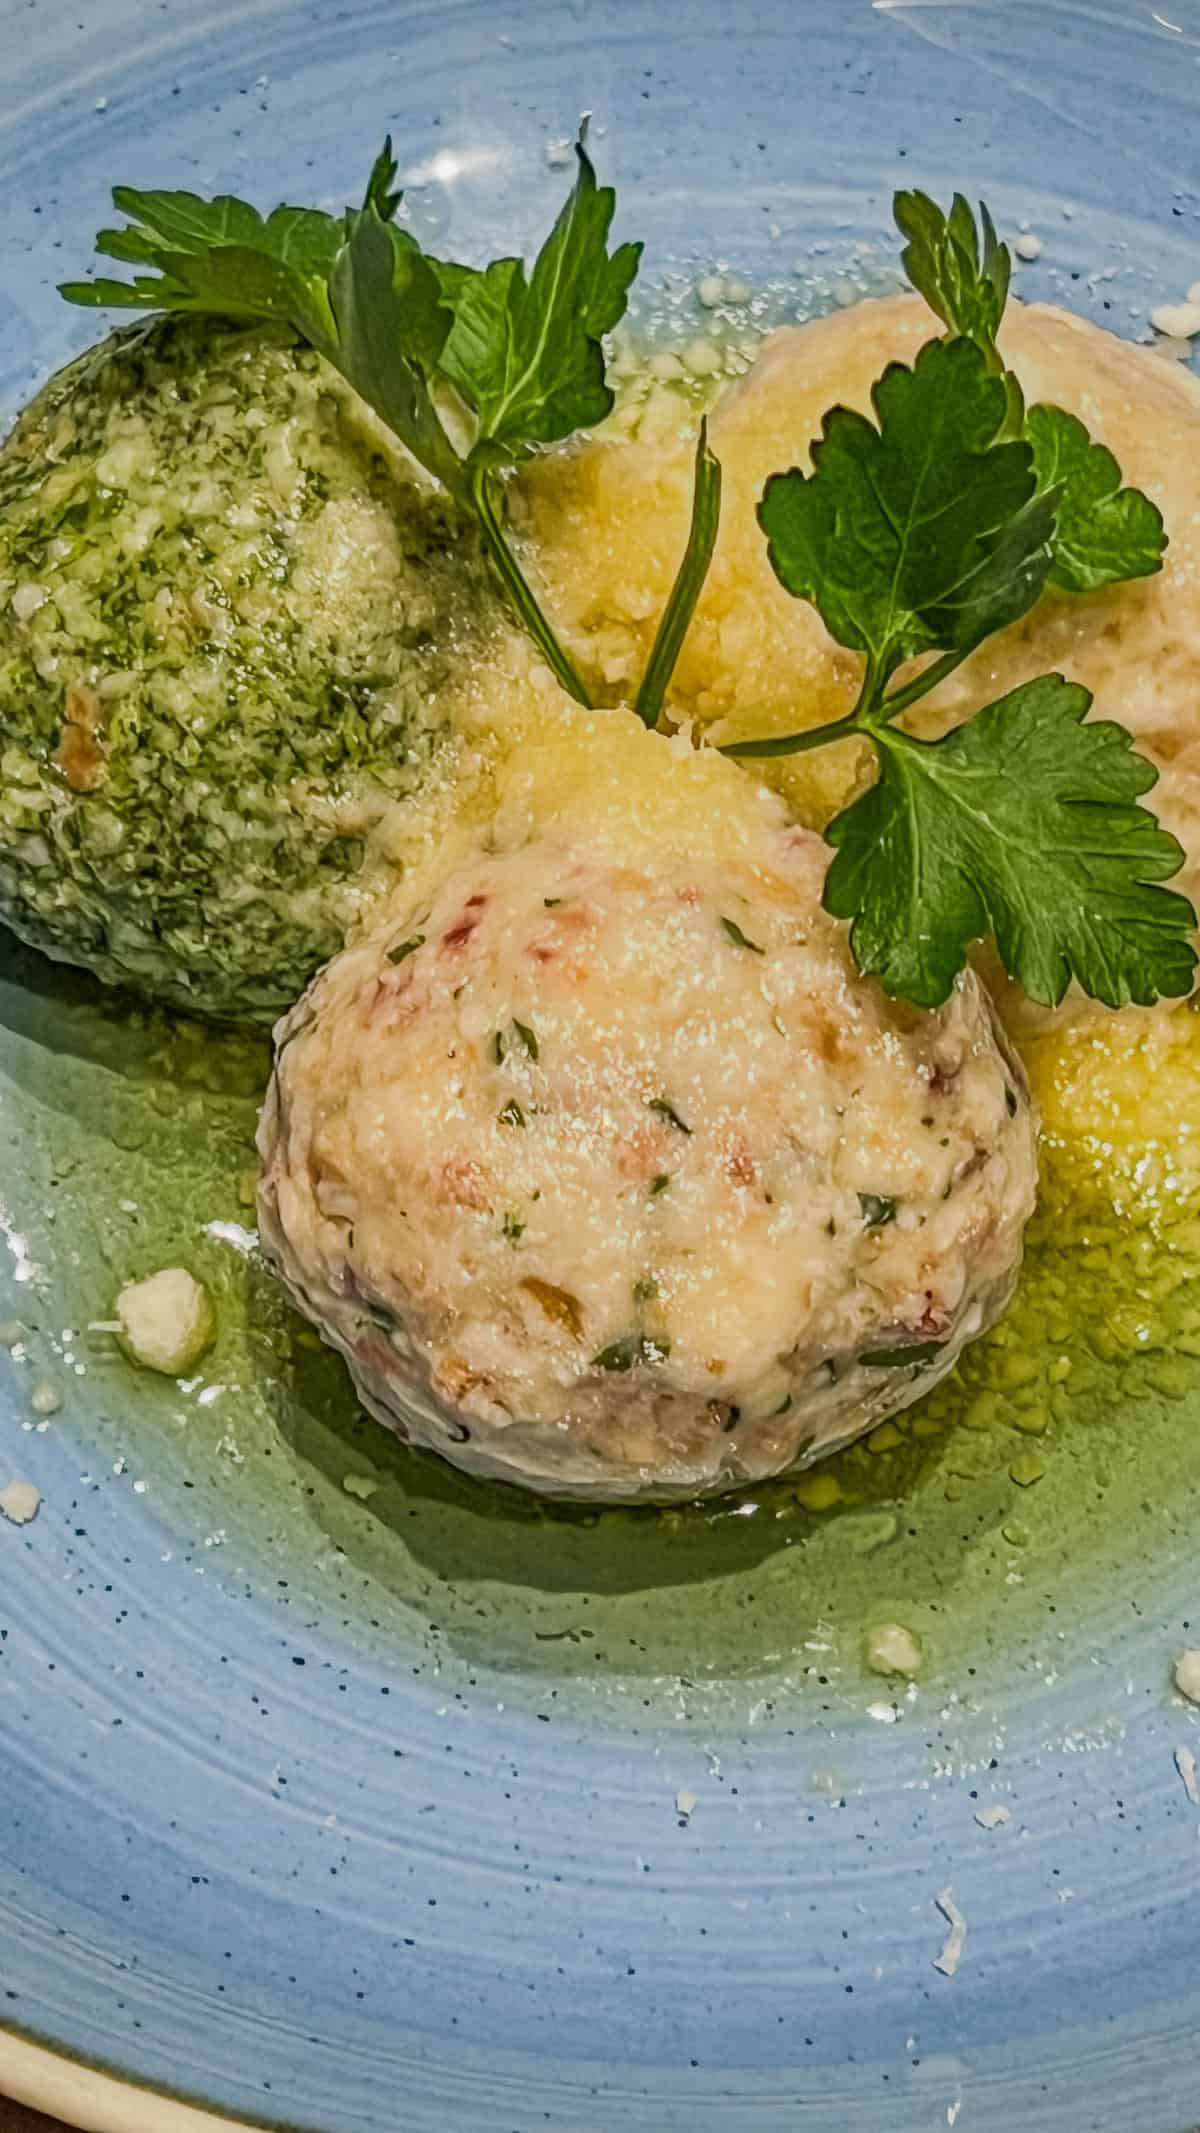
(96,2101)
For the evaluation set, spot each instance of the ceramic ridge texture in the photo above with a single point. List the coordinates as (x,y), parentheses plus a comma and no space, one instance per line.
(268,1857)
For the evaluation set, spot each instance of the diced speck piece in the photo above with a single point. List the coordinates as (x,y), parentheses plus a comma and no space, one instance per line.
(1187,1675)
(893,1649)
(20,1502)
(167,1321)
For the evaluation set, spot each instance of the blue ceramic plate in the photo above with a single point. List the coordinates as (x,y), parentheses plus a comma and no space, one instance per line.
(410,1805)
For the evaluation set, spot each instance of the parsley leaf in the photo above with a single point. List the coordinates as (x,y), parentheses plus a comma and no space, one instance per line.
(525,350)
(922,533)
(1105,533)
(962,273)
(390,328)
(1023,824)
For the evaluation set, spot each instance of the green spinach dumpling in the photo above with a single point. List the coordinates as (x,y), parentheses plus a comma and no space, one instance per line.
(230,620)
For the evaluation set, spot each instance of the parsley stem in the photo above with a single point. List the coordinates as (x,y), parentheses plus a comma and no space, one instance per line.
(519,591)
(840,729)
(922,683)
(689,581)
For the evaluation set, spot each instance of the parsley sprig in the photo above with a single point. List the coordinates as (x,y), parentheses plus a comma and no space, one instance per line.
(1104,534)
(521,350)
(923,532)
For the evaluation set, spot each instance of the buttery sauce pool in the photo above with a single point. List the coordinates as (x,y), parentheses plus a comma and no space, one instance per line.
(1045,1488)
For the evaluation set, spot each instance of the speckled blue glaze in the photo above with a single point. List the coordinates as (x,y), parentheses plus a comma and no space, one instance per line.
(243,1862)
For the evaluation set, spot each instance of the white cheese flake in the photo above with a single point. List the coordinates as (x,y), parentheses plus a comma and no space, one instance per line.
(1181,321)
(993,1817)
(20,1502)
(1185,1763)
(893,1649)
(951,1956)
(1187,1675)
(685,1803)
(1028,245)
(167,1321)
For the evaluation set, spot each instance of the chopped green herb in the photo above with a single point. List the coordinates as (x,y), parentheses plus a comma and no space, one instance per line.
(645,1289)
(740,940)
(631,1349)
(511,1114)
(660,1183)
(878,1209)
(667,1111)
(512,1228)
(502,1042)
(619,1355)
(551,903)
(404,949)
(919,1354)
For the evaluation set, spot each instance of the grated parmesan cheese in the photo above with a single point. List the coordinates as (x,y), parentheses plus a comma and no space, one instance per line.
(20,1502)
(951,1956)
(993,1817)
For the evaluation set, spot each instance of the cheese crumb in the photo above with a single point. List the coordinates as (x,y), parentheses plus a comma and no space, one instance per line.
(1185,1763)
(166,1321)
(893,1649)
(951,1956)
(20,1502)
(993,1817)
(1028,245)
(364,1486)
(1187,1675)
(1181,321)
(684,1803)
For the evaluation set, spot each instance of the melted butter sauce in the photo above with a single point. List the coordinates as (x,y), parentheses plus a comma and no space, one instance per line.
(1055,1475)
(1046,1488)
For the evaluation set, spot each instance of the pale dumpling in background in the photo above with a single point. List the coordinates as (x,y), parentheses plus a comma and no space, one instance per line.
(608,527)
